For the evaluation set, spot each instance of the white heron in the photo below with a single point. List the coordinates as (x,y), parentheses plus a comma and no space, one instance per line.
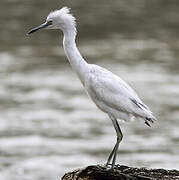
(109,92)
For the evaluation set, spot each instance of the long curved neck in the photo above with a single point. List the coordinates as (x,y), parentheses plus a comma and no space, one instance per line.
(76,60)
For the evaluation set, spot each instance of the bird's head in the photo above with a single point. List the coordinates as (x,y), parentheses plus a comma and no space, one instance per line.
(58,19)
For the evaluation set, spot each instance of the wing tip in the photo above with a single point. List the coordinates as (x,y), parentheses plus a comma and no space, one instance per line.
(150,120)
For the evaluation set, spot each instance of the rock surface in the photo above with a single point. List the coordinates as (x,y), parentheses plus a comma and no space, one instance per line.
(121,173)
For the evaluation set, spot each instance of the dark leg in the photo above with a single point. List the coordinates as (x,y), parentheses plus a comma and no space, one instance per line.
(113,154)
(110,156)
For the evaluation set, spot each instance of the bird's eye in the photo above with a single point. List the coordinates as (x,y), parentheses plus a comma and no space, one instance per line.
(49,23)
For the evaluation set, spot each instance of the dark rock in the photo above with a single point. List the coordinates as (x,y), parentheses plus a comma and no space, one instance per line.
(121,172)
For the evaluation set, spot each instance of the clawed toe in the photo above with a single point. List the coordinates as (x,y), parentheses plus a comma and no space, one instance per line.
(109,167)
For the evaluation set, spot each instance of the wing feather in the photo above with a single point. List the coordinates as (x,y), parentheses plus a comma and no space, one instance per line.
(115,93)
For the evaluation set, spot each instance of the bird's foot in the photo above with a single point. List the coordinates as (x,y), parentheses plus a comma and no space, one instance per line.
(109,167)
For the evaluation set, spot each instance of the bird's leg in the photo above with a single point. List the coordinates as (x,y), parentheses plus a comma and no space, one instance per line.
(112,152)
(119,138)
(110,156)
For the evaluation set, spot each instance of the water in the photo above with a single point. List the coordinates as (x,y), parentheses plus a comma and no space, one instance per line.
(48,125)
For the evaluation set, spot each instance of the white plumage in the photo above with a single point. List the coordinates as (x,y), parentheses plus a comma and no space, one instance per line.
(113,96)
(109,92)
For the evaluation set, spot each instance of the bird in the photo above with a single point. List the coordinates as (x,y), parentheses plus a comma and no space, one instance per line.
(108,91)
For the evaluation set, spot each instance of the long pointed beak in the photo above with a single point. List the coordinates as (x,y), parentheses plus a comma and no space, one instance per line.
(38,28)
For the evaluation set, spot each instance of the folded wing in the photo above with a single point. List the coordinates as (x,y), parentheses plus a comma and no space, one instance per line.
(115,93)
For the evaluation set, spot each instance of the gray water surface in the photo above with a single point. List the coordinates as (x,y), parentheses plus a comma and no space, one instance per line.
(48,125)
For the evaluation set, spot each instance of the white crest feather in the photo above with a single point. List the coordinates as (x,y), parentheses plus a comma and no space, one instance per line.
(63,15)
(63,11)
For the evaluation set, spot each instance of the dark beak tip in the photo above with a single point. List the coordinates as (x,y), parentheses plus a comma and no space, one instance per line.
(28,34)
(31,31)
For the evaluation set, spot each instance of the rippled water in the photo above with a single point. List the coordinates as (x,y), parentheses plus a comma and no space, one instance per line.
(48,125)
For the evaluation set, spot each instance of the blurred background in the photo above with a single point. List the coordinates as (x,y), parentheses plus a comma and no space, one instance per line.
(48,126)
